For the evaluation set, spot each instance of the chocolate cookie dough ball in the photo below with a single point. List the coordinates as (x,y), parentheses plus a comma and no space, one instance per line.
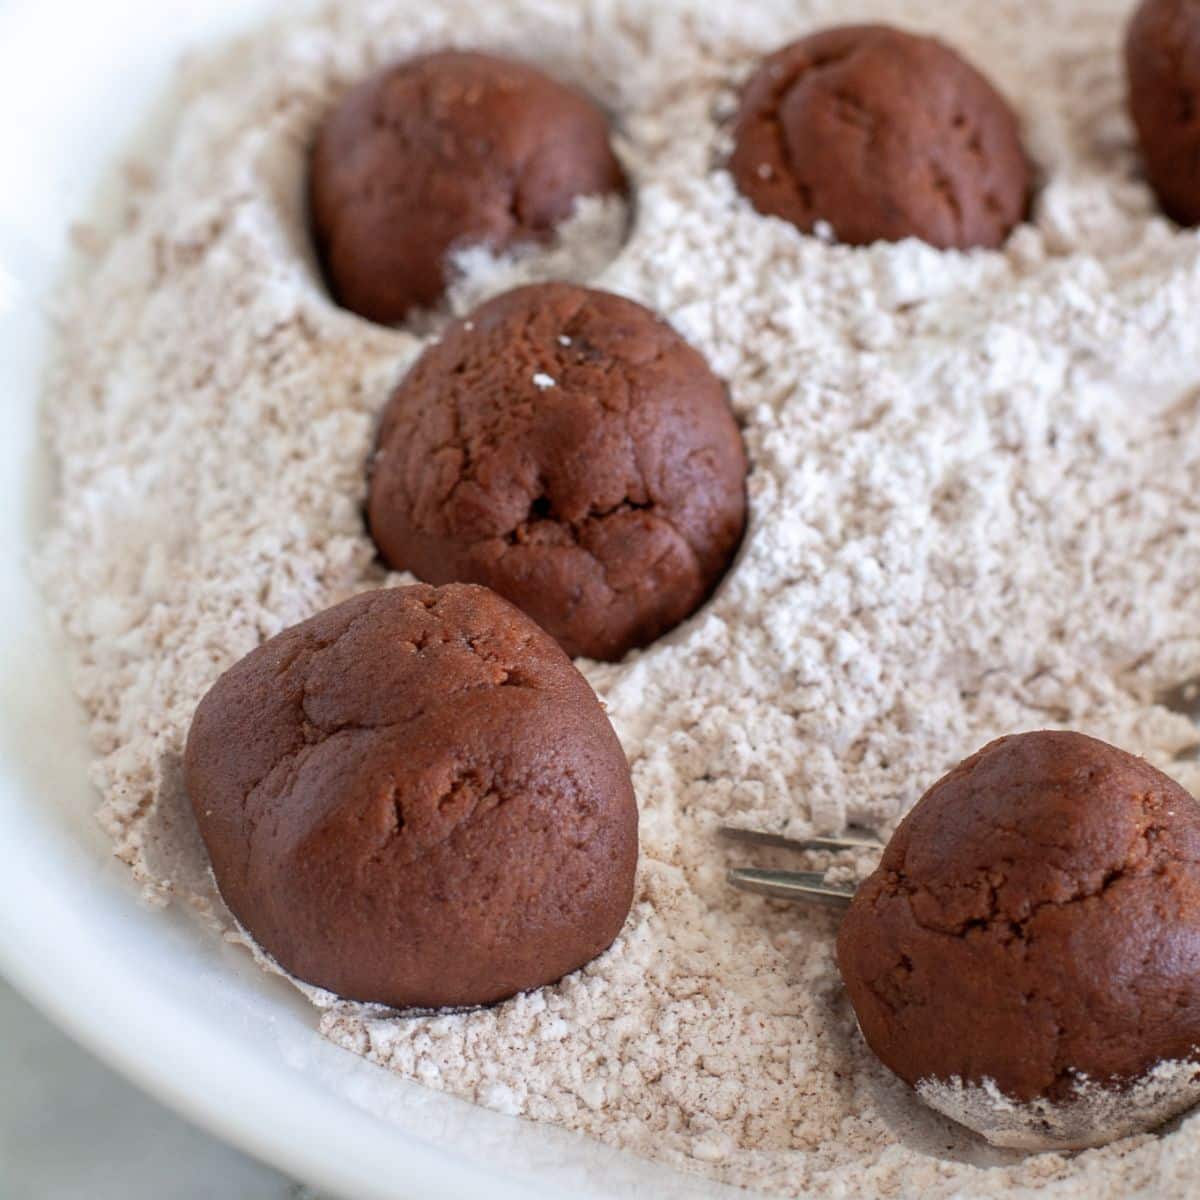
(570,450)
(1162,55)
(414,798)
(884,136)
(441,152)
(1028,952)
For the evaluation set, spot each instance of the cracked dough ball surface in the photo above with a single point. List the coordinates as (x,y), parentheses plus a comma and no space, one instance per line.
(440,152)
(1162,55)
(884,135)
(1036,917)
(567,448)
(414,798)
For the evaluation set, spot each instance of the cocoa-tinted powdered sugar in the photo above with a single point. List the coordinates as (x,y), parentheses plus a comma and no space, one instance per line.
(975,509)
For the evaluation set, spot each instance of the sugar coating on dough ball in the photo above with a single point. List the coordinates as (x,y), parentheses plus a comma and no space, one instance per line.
(441,152)
(569,449)
(883,135)
(1162,56)
(414,798)
(1028,952)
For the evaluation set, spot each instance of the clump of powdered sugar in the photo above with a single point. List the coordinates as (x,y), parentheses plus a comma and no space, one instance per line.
(1091,1114)
(581,247)
(974,509)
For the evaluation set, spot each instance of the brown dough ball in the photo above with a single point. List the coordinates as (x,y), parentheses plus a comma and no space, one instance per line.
(1035,917)
(1162,55)
(414,798)
(569,449)
(885,136)
(440,152)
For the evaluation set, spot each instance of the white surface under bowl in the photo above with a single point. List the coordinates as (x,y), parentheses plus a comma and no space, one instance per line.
(190,1020)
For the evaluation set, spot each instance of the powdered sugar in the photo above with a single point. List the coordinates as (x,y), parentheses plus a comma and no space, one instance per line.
(975,509)
(1091,1116)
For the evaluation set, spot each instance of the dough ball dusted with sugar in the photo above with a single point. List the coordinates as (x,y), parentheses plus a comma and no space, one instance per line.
(569,449)
(414,798)
(1028,953)
(1162,55)
(441,152)
(883,135)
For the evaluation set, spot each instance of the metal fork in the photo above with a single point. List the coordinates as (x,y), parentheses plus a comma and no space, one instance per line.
(809,886)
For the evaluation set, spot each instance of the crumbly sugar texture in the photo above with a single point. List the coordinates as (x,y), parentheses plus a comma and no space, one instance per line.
(974,509)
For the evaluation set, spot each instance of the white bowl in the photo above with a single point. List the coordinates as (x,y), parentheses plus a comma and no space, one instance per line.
(187,1018)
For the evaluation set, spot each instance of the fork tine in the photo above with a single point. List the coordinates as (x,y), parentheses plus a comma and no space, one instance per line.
(793,885)
(863,840)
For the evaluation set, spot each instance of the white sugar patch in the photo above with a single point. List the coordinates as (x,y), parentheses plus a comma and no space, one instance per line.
(1092,1115)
